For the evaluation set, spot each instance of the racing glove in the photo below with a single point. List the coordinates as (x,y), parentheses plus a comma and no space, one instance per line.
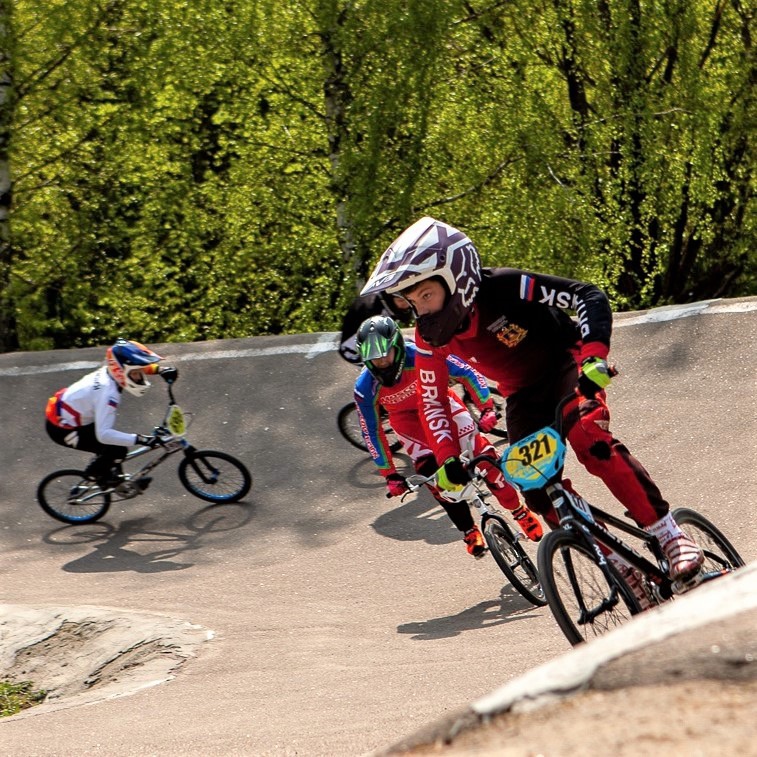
(169,374)
(595,376)
(488,420)
(452,475)
(147,441)
(396,485)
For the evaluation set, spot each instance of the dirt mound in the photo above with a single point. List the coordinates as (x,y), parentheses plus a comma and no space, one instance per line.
(83,654)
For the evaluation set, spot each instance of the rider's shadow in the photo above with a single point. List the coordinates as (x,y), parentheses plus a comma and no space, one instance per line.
(509,608)
(119,549)
(417,519)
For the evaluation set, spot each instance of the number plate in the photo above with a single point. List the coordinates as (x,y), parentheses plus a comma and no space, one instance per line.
(533,461)
(175,421)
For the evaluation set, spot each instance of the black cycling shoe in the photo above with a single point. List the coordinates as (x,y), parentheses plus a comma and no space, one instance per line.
(143,482)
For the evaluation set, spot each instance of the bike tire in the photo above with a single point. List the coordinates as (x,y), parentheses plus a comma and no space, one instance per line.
(214,476)
(59,495)
(572,580)
(513,561)
(348,423)
(719,553)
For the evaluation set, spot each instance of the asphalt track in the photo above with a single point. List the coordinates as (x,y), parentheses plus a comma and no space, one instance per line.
(316,617)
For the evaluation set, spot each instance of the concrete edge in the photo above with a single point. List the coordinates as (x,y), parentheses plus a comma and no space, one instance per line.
(571,673)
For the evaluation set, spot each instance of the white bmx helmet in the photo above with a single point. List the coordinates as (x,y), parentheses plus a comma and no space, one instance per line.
(431,249)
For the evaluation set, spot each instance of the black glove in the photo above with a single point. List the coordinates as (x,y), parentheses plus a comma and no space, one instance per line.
(426,466)
(169,374)
(452,475)
(147,441)
(595,376)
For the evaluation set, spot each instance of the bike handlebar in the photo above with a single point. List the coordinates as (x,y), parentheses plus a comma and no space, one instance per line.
(419,480)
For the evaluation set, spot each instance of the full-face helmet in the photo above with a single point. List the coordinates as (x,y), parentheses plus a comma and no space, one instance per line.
(375,339)
(431,249)
(126,362)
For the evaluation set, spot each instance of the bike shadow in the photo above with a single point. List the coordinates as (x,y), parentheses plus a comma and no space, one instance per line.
(140,546)
(365,475)
(418,519)
(509,608)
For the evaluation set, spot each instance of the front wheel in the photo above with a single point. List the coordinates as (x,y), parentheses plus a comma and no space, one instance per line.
(719,554)
(585,600)
(69,496)
(513,561)
(214,476)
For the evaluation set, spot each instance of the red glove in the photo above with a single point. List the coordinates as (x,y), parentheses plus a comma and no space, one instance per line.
(396,485)
(488,420)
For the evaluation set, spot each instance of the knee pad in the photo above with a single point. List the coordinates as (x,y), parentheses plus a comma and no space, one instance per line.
(594,416)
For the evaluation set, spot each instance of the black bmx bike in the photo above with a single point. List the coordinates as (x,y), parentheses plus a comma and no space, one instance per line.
(72,496)
(584,590)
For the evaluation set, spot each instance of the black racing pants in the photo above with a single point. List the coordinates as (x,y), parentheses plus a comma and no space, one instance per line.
(586,423)
(83,438)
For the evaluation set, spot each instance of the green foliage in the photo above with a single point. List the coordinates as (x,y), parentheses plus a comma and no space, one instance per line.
(208,170)
(15,697)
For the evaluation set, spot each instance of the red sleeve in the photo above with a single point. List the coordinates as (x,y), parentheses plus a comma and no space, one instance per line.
(433,400)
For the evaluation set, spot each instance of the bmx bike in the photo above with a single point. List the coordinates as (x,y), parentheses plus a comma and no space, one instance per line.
(503,541)
(73,496)
(585,592)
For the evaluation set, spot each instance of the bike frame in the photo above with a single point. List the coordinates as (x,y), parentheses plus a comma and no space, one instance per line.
(172,436)
(572,511)
(470,493)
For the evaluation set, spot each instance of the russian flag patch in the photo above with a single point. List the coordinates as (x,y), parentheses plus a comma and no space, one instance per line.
(527,286)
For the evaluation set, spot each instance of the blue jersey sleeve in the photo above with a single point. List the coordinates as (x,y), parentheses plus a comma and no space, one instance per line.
(369,413)
(473,382)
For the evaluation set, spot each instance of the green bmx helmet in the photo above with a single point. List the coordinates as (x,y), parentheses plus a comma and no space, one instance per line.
(376,338)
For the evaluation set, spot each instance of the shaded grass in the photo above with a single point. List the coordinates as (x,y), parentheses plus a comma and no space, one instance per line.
(15,697)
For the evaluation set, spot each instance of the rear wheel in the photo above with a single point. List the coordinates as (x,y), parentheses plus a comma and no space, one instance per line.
(214,476)
(719,553)
(585,603)
(69,496)
(513,561)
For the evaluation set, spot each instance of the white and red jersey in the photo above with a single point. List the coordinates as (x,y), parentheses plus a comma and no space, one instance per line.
(93,399)
(401,403)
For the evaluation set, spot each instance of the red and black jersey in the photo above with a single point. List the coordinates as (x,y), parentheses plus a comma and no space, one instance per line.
(517,332)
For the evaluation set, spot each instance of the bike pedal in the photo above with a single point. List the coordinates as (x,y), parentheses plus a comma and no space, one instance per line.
(143,483)
(683,585)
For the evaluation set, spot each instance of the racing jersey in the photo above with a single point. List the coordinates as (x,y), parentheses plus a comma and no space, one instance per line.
(94,399)
(518,333)
(401,404)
